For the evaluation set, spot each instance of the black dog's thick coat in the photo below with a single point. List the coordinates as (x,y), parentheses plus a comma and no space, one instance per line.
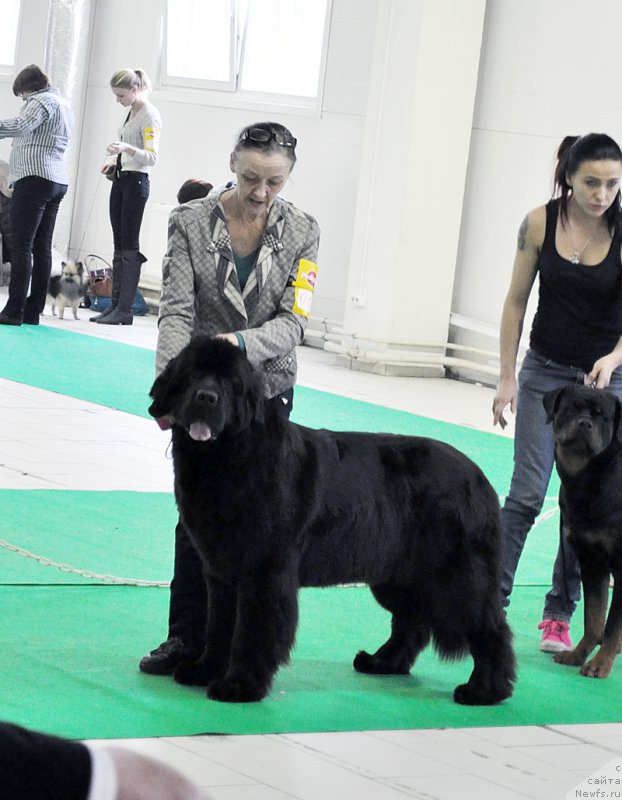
(272,506)
(587,429)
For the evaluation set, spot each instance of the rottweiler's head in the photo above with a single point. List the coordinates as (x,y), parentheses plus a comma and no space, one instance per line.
(208,389)
(585,423)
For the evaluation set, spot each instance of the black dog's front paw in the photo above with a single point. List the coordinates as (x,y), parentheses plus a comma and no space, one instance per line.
(471,694)
(236,689)
(194,673)
(376,665)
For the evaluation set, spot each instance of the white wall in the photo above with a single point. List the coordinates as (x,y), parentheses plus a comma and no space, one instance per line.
(410,197)
(548,68)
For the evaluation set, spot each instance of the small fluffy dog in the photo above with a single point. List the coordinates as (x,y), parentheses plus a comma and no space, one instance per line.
(68,288)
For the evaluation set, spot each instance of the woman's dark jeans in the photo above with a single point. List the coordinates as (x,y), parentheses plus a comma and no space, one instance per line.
(128,197)
(34,208)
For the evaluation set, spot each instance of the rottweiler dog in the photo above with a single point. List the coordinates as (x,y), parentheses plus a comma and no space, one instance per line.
(588,454)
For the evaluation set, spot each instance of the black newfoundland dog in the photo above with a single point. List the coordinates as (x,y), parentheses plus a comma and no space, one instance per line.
(272,506)
(587,429)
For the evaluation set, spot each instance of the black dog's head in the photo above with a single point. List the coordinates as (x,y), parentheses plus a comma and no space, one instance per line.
(208,389)
(585,423)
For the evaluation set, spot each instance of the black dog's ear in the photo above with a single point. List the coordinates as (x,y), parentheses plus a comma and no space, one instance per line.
(158,394)
(551,403)
(249,397)
(166,387)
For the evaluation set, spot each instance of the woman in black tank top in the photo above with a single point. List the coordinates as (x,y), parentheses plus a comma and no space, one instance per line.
(574,245)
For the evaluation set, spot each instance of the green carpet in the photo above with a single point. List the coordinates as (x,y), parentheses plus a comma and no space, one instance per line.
(71,646)
(70,655)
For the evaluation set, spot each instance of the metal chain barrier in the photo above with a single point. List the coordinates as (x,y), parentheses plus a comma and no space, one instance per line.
(84,573)
(94,576)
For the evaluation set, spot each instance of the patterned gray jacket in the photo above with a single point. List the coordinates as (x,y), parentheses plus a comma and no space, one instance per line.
(201,292)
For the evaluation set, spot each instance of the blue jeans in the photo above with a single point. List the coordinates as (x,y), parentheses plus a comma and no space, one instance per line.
(533,465)
(34,208)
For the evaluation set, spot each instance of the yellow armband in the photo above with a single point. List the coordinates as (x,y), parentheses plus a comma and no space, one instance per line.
(304,286)
(150,138)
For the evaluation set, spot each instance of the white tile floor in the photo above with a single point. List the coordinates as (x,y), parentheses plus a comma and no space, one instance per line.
(49,441)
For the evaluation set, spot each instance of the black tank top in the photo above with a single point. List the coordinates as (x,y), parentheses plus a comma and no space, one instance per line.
(579,316)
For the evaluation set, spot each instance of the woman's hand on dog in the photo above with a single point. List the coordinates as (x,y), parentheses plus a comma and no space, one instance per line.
(600,375)
(506,393)
(229,337)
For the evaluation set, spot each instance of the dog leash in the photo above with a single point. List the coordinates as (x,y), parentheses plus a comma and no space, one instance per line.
(84,573)
(90,214)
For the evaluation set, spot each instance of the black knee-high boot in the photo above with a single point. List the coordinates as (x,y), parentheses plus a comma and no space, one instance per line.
(130,275)
(117,269)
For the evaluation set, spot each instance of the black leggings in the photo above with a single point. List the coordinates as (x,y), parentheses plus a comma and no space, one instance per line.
(128,197)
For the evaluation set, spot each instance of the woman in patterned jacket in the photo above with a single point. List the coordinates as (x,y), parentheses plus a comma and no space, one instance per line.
(128,166)
(240,264)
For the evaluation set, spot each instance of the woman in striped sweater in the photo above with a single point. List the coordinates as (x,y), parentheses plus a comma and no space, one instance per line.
(37,172)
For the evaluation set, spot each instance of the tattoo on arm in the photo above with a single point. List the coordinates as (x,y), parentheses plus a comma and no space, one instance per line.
(522,233)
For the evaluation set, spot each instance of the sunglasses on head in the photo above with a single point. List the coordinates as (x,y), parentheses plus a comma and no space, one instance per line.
(262,135)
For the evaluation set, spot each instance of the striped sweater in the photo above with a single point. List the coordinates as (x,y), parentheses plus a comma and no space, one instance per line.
(41,134)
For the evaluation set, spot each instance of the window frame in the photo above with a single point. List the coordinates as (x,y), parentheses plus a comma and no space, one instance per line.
(229,93)
(7,70)
(177,81)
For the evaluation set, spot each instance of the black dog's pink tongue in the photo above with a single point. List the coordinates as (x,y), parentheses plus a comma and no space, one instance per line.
(200,432)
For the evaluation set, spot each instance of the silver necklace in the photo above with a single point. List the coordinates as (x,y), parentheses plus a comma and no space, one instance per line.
(575,258)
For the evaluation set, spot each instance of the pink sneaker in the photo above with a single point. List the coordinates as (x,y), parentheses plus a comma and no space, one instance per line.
(555,636)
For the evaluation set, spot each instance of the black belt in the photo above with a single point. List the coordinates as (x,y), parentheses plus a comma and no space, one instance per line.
(130,172)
